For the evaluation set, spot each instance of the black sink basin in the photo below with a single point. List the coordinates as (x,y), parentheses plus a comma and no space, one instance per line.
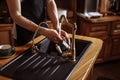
(47,64)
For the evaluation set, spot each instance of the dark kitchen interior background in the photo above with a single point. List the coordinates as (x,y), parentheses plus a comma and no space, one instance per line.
(4,13)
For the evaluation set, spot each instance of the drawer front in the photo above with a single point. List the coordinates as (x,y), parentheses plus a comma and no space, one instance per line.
(97,28)
(116,28)
(101,35)
(100,27)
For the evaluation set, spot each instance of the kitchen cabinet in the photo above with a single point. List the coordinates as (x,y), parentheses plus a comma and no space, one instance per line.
(106,28)
(115,39)
(6,36)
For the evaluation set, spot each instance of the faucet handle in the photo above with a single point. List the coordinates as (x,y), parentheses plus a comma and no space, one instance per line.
(34,49)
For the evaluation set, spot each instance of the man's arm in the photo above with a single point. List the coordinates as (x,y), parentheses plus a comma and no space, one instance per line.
(15,12)
(52,13)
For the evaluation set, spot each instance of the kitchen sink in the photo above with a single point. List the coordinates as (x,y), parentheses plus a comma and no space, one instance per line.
(46,64)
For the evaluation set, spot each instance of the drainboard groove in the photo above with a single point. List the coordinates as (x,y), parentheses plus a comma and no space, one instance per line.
(32,62)
(39,63)
(46,70)
(54,70)
(46,63)
(47,66)
(26,61)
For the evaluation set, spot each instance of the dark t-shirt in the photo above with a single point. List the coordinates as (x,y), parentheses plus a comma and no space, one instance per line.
(33,10)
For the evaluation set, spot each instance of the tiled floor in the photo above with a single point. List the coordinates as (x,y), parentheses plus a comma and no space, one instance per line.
(107,71)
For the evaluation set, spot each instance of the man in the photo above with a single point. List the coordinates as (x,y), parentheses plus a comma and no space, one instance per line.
(27,14)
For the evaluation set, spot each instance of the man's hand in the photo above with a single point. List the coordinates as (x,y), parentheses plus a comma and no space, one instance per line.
(53,35)
(65,36)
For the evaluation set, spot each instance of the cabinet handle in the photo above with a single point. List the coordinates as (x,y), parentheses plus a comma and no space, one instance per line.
(116,30)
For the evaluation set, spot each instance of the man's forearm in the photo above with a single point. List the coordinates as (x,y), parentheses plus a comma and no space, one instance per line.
(52,13)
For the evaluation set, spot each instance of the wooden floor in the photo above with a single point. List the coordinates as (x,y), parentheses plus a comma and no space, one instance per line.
(107,71)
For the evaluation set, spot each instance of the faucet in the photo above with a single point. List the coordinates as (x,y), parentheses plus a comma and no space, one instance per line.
(71,54)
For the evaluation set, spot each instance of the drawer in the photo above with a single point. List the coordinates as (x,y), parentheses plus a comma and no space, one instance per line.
(116,28)
(100,27)
(102,34)
(115,32)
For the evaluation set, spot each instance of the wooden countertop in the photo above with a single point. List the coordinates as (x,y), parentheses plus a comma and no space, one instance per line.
(82,70)
(100,19)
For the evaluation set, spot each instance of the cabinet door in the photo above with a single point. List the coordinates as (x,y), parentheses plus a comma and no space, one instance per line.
(115,50)
(6,34)
(105,51)
(115,40)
